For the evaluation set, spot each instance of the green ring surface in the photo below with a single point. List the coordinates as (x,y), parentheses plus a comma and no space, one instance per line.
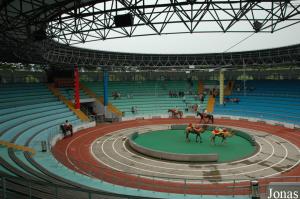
(173,141)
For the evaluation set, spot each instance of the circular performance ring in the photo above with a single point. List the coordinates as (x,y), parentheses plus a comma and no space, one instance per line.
(173,144)
(112,151)
(105,147)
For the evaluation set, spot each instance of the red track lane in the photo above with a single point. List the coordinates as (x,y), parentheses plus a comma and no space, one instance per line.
(75,154)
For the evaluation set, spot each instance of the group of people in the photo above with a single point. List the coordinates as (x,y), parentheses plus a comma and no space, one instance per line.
(214,92)
(197,107)
(235,100)
(201,97)
(175,94)
(134,109)
(240,88)
(116,95)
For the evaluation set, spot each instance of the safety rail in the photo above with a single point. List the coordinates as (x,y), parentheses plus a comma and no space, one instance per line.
(70,105)
(11,186)
(232,186)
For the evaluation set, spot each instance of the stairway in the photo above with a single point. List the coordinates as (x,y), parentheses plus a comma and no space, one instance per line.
(100,99)
(17,147)
(70,105)
(210,104)
(200,87)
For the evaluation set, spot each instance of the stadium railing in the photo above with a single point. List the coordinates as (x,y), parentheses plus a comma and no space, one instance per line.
(15,187)
(233,186)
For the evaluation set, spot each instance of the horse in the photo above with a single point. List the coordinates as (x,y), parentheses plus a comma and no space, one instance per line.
(175,113)
(66,128)
(205,115)
(194,130)
(218,132)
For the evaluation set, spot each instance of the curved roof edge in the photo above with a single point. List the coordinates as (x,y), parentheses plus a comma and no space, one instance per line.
(53,53)
(190,54)
(62,54)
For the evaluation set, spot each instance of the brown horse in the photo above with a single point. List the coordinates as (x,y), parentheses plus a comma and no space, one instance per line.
(197,130)
(66,128)
(222,133)
(209,117)
(175,113)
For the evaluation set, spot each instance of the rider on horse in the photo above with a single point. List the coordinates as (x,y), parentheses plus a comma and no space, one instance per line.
(220,132)
(189,127)
(205,115)
(195,130)
(67,127)
(176,113)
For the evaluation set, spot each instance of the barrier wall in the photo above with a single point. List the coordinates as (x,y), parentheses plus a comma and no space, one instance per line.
(170,156)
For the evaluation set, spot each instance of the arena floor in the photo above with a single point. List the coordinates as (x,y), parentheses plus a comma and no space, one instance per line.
(102,152)
(174,141)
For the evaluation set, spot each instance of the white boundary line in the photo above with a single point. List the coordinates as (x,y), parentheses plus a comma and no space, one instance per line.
(286,154)
(205,176)
(174,169)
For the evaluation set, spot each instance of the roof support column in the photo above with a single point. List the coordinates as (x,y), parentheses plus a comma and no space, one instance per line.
(105,87)
(76,87)
(221,81)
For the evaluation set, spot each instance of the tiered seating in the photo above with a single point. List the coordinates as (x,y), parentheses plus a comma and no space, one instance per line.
(28,110)
(31,120)
(150,97)
(280,88)
(69,93)
(273,100)
(28,122)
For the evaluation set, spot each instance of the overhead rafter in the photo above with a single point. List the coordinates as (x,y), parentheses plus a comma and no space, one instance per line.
(158,17)
(23,23)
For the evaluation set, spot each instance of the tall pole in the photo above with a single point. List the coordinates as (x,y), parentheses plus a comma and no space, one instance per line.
(105,87)
(244,76)
(76,87)
(221,82)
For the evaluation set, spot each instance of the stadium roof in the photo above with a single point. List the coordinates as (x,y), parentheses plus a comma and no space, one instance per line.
(30,29)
